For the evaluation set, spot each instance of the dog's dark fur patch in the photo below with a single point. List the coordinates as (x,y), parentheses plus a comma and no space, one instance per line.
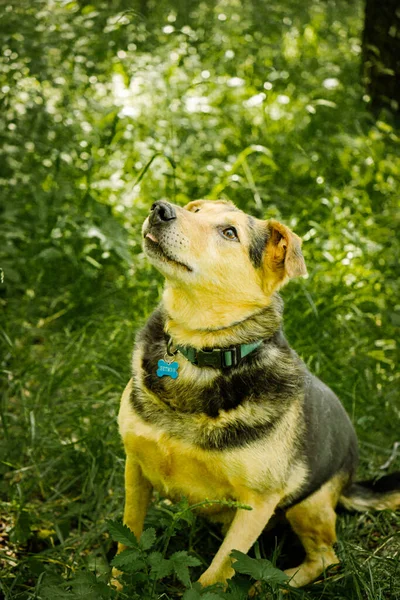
(329,442)
(258,242)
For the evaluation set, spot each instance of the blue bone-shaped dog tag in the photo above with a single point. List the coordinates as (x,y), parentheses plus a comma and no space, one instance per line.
(168,369)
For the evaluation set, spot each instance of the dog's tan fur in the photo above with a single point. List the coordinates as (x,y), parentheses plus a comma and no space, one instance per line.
(222,303)
(212,292)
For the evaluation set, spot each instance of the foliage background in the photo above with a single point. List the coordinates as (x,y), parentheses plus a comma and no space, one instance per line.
(108,106)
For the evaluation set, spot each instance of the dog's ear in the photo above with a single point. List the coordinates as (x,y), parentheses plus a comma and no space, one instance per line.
(283,253)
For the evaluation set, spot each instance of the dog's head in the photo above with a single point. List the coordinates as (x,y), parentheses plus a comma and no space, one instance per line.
(214,246)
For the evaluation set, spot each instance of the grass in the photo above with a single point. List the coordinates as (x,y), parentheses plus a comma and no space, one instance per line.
(259,103)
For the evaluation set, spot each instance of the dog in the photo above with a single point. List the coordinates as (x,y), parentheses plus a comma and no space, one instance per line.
(219,406)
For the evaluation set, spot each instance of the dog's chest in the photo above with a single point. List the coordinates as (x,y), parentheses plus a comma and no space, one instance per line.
(178,467)
(175,469)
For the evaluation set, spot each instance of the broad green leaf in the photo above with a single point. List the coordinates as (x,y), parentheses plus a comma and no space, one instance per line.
(191,594)
(183,557)
(182,573)
(148,538)
(121,533)
(154,558)
(160,567)
(258,568)
(128,560)
(50,592)
(181,561)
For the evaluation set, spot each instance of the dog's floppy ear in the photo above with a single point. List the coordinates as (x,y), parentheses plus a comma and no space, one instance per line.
(283,252)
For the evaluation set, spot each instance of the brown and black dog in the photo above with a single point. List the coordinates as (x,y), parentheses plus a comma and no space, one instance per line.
(219,406)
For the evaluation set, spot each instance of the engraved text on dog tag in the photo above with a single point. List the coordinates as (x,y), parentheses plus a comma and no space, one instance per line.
(167,369)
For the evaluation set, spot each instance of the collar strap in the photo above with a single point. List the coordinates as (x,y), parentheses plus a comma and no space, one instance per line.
(218,358)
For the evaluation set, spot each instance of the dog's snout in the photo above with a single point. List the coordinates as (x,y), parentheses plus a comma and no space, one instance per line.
(162,212)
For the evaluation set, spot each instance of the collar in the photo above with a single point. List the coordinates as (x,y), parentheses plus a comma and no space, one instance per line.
(216,358)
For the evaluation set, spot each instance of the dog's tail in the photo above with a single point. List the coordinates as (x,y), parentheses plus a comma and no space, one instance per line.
(373,494)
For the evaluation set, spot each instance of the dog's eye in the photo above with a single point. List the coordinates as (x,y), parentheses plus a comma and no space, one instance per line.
(230,233)
(196,210)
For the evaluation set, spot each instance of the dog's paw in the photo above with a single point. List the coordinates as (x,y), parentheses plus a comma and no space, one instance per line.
(211,577)
(255,589)
(114,581)
(310,570)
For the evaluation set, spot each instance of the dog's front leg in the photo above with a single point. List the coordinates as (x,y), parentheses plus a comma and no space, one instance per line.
(137,497)
(243,532)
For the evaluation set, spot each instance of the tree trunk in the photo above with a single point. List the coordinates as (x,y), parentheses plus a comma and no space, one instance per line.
(381,54)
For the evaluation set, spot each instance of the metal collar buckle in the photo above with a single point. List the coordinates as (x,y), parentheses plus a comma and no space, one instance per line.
(218,357)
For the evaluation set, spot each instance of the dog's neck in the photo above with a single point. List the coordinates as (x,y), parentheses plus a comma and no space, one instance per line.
(192,321)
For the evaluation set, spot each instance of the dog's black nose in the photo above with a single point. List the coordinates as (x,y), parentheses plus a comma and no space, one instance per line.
(161,212)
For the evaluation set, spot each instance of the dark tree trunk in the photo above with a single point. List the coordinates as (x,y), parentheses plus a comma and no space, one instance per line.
(381,53)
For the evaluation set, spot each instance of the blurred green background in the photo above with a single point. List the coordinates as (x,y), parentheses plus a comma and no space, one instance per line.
(109,106)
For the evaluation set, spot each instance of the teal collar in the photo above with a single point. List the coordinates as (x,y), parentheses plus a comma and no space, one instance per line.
(216,358)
